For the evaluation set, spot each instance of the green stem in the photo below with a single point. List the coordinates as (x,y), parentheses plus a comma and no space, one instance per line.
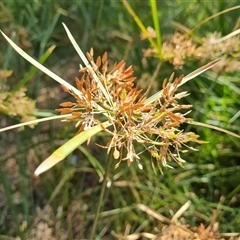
(100,200)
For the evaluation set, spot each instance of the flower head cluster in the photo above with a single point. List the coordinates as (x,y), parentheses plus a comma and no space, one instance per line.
(15,103)
(175,50)
(182,46)
(154,125)
(227,48)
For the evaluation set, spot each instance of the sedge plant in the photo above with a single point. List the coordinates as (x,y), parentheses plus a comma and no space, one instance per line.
(131,117)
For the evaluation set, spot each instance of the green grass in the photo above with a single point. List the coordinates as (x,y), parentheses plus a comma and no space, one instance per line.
(209,179)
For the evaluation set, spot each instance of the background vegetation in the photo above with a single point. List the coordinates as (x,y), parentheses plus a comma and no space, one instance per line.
(61,203)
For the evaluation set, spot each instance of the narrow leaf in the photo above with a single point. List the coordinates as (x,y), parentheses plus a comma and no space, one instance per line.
(41,67)
(33,69)
(198,71)
(95,163)
(69,147)
(139,23)
(156,21)
(34,121)
(190,76)
(215,128)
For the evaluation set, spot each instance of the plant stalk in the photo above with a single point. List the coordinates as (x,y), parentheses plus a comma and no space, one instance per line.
(100,200)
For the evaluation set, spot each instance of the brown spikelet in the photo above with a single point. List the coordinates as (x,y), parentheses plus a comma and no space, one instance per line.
(89,57)
(66,104)
(64,110)
(98,62)
(91,52)
(104,58)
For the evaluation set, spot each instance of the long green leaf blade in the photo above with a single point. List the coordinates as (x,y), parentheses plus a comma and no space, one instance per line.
(156,26)
(214,127)
(69,147)
(187,78)
(40,66)
(33,69)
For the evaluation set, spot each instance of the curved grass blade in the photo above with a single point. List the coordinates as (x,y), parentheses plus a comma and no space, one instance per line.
(95,163)
(156,21)
(41,67)
(214,127)
(34,122)
(215,15)
(139,23)
(199,71)
(33,70)
(232,34)
(68,147)
(187,78)
(188,31)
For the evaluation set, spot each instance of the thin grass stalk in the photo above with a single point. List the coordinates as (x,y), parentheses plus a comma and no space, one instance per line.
(34,122)
(99,15)
(40,66)
(33,69)
(48,33)
(87,25)
(156,26)
(139,23)
(213,16)
(100,200)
